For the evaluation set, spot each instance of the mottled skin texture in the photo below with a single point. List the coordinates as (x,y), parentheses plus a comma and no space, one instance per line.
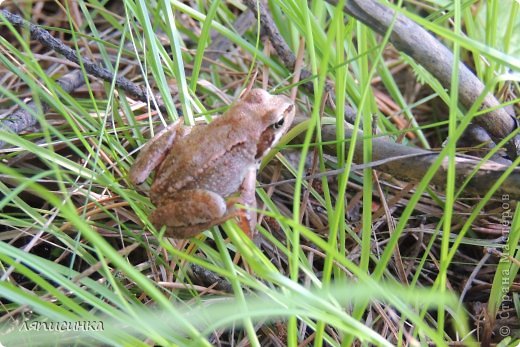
(199,168)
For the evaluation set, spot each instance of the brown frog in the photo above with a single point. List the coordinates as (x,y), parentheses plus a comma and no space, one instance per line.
(199,170)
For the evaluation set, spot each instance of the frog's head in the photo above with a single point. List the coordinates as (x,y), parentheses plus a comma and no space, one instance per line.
(273,117)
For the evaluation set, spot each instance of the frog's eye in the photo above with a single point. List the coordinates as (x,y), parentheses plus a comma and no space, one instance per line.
(279,124)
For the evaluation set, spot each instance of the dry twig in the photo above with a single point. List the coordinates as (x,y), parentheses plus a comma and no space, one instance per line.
(23,119)
(46,39)
(416,162)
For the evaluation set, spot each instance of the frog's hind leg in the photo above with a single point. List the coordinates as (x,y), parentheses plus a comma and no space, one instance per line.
(191,212)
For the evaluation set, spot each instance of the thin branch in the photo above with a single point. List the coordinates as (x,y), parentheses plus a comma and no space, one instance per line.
(411,164)
(22,119)
(46,39)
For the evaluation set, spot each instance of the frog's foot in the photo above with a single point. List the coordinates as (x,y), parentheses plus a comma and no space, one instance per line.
(246,218)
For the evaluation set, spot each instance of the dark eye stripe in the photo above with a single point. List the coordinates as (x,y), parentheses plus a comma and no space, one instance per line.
(264,143)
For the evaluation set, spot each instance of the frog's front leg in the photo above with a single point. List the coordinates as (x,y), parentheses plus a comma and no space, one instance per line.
(247,218)
(153,153)
(190,212)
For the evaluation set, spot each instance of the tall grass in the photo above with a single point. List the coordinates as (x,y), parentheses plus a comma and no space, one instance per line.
(77,245)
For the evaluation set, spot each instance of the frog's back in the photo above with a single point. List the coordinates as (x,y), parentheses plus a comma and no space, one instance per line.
(214,157)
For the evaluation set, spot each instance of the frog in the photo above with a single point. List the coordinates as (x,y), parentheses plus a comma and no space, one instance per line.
(203,171)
